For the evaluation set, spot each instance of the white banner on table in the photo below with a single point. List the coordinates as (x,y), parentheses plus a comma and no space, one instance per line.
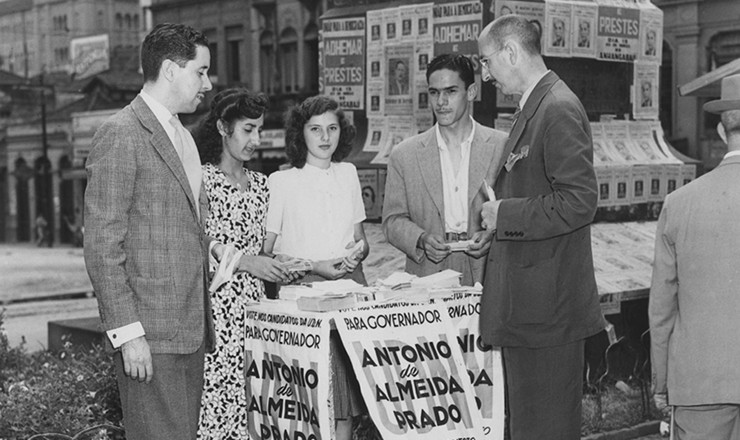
(286,373)
(484,364)
(411,372)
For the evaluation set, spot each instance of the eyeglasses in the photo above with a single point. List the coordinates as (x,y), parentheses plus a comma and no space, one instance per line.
(485,59)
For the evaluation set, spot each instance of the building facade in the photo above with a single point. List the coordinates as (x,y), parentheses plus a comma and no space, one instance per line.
(35,35)
(699,36)
(36,135)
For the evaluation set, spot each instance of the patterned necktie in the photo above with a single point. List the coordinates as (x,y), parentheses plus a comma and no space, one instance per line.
(188,152)
(514,118)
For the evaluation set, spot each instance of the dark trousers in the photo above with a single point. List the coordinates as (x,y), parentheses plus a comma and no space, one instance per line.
(169,406)
(544,387)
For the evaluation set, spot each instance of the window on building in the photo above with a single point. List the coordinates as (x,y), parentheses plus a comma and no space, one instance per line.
(311,57)
(127,20)
(289,60)
(267,62)
(234,41)
(119,21)
(212,36)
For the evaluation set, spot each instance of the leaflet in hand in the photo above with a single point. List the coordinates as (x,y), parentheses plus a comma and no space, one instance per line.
(459,246)
(226,267)
(299,265)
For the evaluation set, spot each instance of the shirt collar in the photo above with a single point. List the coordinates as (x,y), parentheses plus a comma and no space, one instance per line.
(528,92)
(160,111)
(441,142)
(732,154)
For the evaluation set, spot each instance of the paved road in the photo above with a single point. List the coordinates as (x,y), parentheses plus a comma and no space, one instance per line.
(29,274)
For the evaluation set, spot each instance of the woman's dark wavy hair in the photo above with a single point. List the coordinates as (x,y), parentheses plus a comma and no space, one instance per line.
(297,117)
(229,105)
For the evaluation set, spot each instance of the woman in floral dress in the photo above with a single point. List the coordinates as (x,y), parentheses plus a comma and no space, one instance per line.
(237,206)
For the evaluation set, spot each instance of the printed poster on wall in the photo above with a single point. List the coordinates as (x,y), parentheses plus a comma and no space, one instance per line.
(376,64)
(456,29)
(344,61)
(286,371)
(411,372)
(651,35)
(645,91)
(557,35)
(618,34)
(399,59)
(483,362)
(583,20)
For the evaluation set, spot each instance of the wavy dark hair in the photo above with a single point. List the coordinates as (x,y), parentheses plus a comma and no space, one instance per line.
(297,117)
(456,63)
(229,106)
(168,41)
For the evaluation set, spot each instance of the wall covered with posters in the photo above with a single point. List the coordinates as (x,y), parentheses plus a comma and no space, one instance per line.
(608,51)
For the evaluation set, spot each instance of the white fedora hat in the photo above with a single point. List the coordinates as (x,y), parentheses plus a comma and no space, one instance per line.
(729,96)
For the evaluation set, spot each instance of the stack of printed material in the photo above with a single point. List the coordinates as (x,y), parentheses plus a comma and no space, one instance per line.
(401,286)
(325,296)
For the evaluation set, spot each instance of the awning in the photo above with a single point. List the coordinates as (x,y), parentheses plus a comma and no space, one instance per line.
(708,85)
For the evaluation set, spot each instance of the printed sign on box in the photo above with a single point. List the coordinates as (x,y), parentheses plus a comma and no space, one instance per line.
(411,372)
(286,375)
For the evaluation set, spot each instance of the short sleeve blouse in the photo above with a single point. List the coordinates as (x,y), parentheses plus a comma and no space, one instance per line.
(313,211)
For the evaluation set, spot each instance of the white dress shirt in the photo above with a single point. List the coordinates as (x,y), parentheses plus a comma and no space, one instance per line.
(455,186)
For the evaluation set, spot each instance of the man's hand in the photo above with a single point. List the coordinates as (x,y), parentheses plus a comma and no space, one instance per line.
(661,402)
(481,243)
(489,215)
(137,359)
(434,247)
(217,251)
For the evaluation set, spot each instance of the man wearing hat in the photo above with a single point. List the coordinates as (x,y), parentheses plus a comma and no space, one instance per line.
(695,293)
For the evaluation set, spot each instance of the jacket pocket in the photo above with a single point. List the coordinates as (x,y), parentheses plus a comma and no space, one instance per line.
(156,306)
(532,291)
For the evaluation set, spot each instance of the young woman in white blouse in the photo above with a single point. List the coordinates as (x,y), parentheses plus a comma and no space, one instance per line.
(316,213)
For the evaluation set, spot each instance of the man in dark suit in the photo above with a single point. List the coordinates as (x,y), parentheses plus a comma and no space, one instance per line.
(145,248)
(539,298)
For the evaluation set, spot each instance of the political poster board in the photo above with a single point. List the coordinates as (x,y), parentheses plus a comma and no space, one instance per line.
(287,373)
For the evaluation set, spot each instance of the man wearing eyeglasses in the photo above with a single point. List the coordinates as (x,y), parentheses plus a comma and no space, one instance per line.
(539,298)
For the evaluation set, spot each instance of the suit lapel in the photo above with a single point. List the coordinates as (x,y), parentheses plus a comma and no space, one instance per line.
(163,145)
(427,154)
(481,156)
(530,107)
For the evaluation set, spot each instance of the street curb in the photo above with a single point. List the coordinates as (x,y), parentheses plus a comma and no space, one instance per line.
(49,296)
(639,430)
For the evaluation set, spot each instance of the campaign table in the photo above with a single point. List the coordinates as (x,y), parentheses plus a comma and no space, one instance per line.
(423,370)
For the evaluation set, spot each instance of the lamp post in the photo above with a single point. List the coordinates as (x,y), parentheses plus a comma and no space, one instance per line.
(45,187)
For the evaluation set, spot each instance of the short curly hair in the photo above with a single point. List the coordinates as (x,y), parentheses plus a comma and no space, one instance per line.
(229,106)
(298,116)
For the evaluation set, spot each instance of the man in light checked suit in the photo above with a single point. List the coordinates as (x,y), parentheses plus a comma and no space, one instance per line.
(145,248)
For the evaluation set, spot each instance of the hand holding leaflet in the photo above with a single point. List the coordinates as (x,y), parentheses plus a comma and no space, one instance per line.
(226,267)
(489,211)
(353,256)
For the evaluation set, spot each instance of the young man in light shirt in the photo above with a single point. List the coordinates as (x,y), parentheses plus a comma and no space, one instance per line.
(436,180)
